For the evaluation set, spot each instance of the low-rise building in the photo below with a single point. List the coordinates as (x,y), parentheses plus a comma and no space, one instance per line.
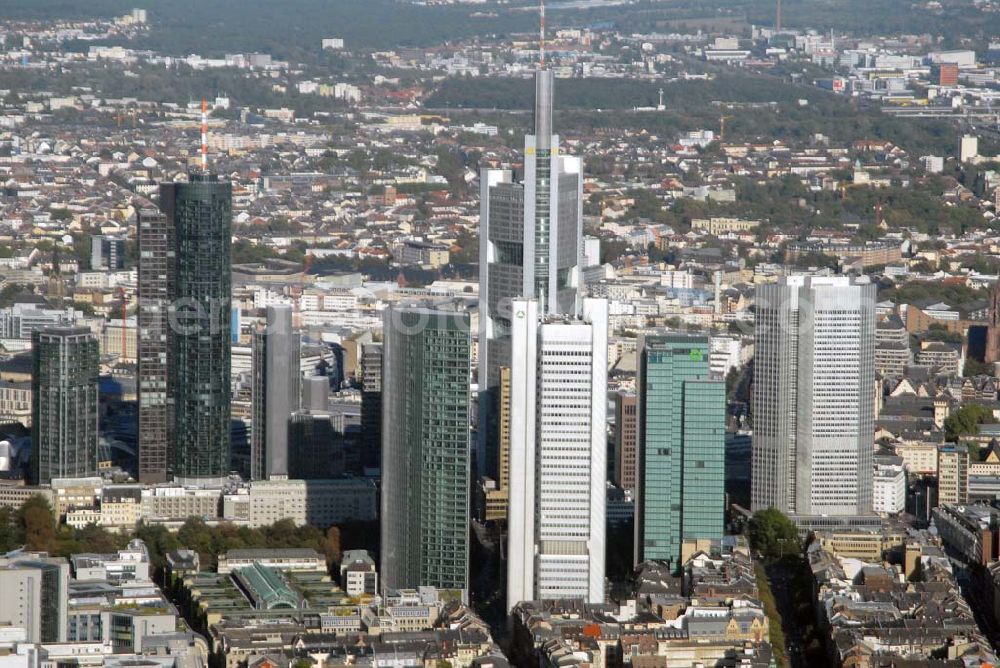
(720,225)
(971,530)
(177,503)
(869,254)
(128,565)
(321,503)
(946,358)
(710,616)
(889,485)
(285,559)
(358,575)
(876,616)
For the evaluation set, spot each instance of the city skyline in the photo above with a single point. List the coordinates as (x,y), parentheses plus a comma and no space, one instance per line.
(478,334)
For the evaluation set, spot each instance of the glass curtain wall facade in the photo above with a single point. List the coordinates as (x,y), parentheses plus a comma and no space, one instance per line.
(64,404)
(201,216)
(681,442)
(425,449)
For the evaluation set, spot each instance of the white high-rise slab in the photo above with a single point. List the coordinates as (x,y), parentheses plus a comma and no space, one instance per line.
(814,396)
(558,462)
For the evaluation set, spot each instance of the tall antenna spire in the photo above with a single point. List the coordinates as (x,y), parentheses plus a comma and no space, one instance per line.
(204,135)
(541,33)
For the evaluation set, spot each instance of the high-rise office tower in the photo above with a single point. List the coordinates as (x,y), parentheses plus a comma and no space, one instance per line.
(681,448)
(274,392)
(107,252)
(315,446)
(625,440)
(531,231)
(953,473)
(156,267)
(316,393)
(558,454)
(992,355)
(315,443)
(493,493)
(503,431)
(371,405)
(813,396)
(200,214)
(425,448)
(64,404)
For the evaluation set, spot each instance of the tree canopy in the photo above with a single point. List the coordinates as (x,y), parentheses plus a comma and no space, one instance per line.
(966,420)
(772,534)
(33,526)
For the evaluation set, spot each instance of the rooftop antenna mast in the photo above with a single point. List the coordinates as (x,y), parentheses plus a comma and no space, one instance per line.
(541,34)
(204,136)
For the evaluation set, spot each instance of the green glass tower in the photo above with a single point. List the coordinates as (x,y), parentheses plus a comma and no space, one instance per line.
(201,295)
(425,449)
(681,441)
(64,404)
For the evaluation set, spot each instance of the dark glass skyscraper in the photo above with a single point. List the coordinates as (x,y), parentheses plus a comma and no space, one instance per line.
(201,216)
(156,268)
(371,405)
(64,404)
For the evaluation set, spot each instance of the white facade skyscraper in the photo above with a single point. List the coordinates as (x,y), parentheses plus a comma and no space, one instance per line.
(558,453)
(814,396)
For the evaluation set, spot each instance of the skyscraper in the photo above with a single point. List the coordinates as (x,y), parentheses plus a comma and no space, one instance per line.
(274,392)
(558,454)
(531,234)
(681,448)
(814,396)
(315,444)
(64,404)
(425,448)
(156,269)
(992,355)
(371,405)
(953,473)
(107,253)
(625,440)
(200,215)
